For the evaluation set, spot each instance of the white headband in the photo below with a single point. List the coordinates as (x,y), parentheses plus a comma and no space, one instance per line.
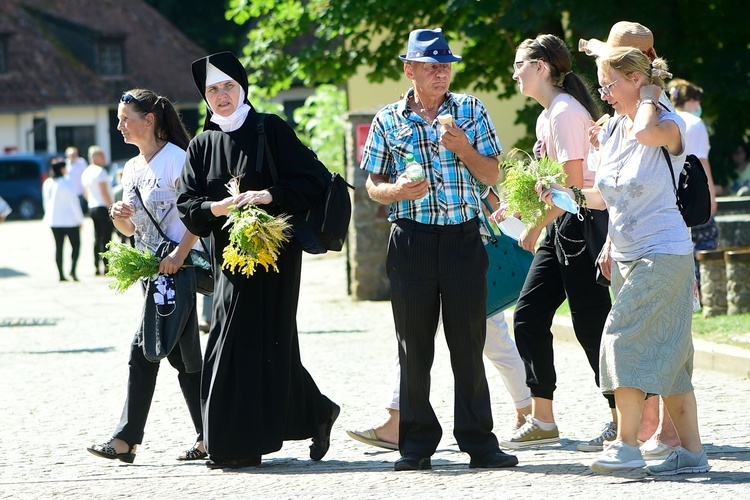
(215,75)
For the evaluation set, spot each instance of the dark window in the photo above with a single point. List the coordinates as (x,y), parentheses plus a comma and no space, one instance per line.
(40,134)
(81,137)
(109,57)
(289,107)
(18,170)
(3,53)
(190,118)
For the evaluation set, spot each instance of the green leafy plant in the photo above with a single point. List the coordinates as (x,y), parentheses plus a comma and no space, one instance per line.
(127,265)
(521,176)
(322,124)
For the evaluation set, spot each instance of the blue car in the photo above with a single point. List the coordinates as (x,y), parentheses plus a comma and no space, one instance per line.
(21,178)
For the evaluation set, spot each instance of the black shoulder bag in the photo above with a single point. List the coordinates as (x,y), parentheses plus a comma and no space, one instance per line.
(201,260)
(692,192)
(325,226)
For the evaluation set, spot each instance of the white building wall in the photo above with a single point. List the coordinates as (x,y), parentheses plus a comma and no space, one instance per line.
(9,133)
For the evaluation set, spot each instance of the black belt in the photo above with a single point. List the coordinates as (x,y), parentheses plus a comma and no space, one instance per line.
(469,225)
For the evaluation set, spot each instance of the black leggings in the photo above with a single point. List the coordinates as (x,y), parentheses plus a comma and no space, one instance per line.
(74,236)
(102,233)
(549,282)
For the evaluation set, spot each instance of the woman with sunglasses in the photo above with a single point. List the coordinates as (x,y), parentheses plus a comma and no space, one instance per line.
(647,346)
(563,265)
(149,180)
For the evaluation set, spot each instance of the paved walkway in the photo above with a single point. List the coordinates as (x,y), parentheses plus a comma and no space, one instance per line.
(63,367)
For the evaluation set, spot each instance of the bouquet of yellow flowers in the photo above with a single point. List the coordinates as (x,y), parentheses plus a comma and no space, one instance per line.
(127,265)
(255,236)
(521,176)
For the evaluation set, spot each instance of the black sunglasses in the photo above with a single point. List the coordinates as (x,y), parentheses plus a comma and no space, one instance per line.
(127,98)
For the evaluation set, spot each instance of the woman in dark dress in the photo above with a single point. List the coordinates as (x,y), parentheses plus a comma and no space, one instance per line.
(255,391)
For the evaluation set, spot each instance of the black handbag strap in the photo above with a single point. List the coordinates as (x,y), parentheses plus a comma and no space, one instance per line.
(493,236)
(264,147)
(158,227)
(669,162)
(671,170)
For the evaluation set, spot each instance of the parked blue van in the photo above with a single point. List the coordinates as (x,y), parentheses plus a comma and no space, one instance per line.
(21,178)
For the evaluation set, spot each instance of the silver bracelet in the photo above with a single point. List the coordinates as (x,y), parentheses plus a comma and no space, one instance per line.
(646,101)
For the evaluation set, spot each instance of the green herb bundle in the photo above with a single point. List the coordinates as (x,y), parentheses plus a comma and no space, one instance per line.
(127,265)
(521,176)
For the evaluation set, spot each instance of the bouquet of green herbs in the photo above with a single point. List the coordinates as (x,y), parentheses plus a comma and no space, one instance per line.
(521,176)
(255,237)
(127,265)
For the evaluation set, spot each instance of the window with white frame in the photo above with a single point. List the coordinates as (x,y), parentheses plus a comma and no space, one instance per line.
(110,60)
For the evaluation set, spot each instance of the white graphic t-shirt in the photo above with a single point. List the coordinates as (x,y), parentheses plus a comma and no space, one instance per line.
(157,183)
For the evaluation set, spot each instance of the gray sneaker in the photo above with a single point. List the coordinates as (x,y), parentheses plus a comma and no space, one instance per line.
(597,444)
(530,434)
(681,461)
(618,456)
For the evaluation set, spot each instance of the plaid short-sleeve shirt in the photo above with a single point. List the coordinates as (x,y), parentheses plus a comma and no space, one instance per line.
(454,195)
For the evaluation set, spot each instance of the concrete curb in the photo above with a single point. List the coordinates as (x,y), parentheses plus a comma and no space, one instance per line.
(726,359)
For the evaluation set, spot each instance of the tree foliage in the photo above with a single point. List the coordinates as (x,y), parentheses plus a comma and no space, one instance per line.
(327,41)
(204,22)
(321,122)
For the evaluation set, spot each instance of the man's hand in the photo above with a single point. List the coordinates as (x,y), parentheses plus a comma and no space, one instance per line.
(411,190)
(454,139)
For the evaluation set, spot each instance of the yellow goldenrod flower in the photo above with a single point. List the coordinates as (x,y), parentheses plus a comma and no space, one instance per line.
(255,237)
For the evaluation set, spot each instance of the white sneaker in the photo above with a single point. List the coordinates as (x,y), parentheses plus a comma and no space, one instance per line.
(654,449)
(681,461)
(618,456)
(609,433)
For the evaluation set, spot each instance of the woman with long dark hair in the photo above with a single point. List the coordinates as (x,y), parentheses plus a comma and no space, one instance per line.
(150,122)
(563,265)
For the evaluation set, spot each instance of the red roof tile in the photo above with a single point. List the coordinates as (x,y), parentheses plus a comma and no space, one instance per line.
(50,53)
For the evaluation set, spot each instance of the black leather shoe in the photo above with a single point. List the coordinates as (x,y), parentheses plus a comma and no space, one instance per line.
(495,460)
(320,445)
(413,462)
(233,463)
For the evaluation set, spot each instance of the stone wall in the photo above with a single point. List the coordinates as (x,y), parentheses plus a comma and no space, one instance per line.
(368,233)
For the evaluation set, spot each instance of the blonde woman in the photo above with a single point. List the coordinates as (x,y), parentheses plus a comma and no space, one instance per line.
(647,346)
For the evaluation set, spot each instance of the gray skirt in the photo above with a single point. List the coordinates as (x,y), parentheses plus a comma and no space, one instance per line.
(647,342)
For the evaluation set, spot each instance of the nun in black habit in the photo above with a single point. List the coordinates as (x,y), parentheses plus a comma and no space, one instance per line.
(255,393)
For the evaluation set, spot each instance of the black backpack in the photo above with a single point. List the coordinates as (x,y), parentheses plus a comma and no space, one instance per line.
(325,226)
(692,192)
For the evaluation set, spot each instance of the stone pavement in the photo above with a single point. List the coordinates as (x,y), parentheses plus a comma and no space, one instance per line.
(63,369)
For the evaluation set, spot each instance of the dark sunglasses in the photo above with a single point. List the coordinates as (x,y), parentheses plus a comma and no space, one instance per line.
(127,98)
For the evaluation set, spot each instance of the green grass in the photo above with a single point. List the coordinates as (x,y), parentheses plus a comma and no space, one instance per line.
(721,329)
(718,329)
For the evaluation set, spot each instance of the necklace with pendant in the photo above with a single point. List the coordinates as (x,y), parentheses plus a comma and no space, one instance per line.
(624,137)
